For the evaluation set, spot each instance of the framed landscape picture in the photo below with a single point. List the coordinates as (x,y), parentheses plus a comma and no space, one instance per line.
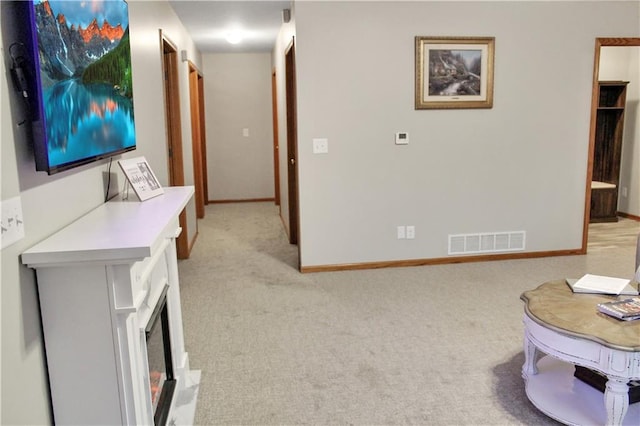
(454,72)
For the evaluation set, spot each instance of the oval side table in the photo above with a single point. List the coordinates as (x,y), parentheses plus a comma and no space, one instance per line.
(568,328)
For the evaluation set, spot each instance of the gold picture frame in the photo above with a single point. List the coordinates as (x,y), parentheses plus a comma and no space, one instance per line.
(454,72)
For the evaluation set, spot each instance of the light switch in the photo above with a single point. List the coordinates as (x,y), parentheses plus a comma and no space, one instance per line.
(11,224)
(320,146)
(245,132)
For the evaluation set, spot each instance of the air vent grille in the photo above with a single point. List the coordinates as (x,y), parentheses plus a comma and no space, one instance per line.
(486,242)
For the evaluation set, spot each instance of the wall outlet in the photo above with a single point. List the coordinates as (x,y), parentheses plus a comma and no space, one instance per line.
(11,224)
(402,232)
(411,232)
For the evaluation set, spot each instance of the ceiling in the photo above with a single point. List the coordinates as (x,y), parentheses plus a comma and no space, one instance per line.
(210,21)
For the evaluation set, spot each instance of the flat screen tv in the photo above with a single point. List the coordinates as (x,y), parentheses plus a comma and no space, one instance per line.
(82,73)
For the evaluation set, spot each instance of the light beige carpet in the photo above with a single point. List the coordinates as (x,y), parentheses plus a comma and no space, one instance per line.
(432,345)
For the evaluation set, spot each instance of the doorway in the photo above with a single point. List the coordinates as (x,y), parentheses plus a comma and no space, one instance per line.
(276,144)
(203,140)
(600,42)
(196,138)
(292,143)
(174,135)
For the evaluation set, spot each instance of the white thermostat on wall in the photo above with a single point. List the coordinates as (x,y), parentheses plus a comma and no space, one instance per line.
(402,138)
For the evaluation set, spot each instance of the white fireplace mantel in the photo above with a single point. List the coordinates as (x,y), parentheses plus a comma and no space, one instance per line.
(99,279)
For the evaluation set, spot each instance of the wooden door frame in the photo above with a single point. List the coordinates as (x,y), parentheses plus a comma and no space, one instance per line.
(276,147)
(170,86)
(292,146)
(203,139)
(196,141)
(600,42)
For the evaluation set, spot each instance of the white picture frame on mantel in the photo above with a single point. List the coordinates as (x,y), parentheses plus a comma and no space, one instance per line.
(141,177)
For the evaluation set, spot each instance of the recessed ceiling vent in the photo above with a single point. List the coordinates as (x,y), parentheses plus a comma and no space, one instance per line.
(486,242)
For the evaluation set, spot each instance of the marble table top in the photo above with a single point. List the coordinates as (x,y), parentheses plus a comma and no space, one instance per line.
(554,305)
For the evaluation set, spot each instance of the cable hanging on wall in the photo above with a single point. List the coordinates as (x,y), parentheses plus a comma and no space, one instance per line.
(19,72)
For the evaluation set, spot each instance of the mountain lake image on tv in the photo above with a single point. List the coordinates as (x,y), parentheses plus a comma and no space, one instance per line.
(84,82)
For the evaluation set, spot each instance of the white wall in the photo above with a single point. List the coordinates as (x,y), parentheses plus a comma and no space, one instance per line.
(518,166)
(237,90)
(51,202)
(147,18)
(623,63)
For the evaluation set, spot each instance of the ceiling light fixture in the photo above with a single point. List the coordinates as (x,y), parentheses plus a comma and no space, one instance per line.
(234,37)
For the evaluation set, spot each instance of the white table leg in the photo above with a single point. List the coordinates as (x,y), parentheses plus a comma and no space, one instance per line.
(530,350)
(616,400)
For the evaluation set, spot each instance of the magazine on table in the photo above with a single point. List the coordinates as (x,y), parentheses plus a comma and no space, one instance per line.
(625,309)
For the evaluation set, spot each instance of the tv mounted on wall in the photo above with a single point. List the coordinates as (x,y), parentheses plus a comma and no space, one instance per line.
(83,80)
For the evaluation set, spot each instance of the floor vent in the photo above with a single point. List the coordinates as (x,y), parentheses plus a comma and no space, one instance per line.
(486,242)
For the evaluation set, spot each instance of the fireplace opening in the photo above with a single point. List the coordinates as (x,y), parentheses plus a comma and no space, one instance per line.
(162,382)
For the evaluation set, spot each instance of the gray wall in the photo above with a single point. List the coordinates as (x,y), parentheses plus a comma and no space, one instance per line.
(623,63)
(237,97)
(520,166)
(51,202)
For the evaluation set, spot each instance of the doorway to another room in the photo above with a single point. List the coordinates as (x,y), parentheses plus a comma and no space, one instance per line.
(174,137)
(611,159)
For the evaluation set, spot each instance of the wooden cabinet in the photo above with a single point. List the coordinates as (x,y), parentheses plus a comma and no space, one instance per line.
(607,150)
